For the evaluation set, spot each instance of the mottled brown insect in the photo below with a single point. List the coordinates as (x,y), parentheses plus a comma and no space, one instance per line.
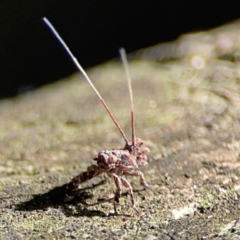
(117,163)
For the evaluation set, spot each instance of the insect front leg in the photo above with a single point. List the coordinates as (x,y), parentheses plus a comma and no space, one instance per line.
(127,185)
(141,177)
(117,196)
(72,187)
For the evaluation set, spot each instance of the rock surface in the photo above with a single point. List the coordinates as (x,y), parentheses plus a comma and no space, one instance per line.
(187,110)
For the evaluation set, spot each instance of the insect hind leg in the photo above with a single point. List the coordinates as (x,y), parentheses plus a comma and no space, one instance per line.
(72,187)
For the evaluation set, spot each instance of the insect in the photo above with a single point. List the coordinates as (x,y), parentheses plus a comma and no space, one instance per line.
(117,163)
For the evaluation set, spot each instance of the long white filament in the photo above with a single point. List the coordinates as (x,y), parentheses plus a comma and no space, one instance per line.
(126,67)
(56,34)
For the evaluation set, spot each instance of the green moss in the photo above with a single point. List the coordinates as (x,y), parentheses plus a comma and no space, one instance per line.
(207,200)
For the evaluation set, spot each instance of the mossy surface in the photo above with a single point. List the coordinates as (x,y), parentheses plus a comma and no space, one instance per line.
(190,120)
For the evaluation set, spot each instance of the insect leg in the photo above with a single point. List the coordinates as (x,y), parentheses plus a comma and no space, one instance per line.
(141,176)
(117,196)
(72,187)
(127,185)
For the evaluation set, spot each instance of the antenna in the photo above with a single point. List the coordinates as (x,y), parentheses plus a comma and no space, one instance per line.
(85,75)
(126,67)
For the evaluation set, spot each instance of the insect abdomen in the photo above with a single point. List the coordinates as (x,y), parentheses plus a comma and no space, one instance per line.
(73,186)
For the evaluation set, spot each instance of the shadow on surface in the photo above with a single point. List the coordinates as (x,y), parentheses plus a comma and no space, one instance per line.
(54,198)
(77,207)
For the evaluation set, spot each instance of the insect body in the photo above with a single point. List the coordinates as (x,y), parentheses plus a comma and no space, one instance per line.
(117,163)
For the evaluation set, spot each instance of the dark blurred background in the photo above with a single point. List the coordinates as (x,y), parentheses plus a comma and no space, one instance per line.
(30,56)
